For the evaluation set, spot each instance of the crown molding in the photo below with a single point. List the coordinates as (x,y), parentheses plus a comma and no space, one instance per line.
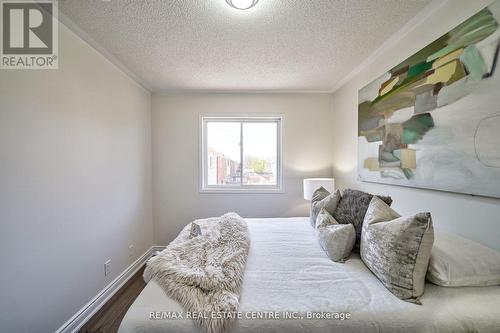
(411,25)
(66,21)
(238,92)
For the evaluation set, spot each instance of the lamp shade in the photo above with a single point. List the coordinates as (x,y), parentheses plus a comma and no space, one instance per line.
(312,184)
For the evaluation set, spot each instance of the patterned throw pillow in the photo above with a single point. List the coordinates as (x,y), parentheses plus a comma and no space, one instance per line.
(195,230)
(323,199)
(352,209)
(397,249)
(335,239)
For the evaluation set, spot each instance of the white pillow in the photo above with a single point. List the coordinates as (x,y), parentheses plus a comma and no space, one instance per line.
(459,262)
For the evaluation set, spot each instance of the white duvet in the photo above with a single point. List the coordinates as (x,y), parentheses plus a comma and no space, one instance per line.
(288,274)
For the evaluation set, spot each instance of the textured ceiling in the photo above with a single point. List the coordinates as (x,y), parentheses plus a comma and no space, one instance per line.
(205,45)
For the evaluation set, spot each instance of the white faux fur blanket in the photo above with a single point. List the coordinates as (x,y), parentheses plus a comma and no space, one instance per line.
(204,273)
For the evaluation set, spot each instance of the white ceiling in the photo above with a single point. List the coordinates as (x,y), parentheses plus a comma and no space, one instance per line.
(205,45)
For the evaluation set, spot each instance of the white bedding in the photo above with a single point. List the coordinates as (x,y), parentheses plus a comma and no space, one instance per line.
(288,271)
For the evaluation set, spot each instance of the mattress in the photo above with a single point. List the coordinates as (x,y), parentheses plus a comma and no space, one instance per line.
(290,286)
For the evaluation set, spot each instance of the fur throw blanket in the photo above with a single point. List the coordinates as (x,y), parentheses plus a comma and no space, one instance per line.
(203,271)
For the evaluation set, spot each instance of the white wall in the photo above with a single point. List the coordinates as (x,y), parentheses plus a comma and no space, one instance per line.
(477,218)
(307,139)
(75,184)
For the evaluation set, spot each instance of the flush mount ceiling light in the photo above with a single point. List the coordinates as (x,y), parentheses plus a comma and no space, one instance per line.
(242,4)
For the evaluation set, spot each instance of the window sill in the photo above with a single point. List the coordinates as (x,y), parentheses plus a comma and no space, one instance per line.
(242,191)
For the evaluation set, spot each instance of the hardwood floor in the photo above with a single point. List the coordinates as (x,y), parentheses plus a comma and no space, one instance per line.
(109,317)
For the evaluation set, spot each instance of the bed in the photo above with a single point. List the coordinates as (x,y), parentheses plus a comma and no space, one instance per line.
(288,274)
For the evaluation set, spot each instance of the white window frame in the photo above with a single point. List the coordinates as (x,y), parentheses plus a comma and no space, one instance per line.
(203,162)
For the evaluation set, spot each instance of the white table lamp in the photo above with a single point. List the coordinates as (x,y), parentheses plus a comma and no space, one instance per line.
(312,184)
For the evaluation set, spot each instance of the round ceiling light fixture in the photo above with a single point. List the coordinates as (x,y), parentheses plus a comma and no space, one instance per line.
(242,4)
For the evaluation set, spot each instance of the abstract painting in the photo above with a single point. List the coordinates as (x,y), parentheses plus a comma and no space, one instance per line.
(433,121)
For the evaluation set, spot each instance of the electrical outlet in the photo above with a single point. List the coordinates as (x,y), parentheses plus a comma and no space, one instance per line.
(107,267)
(131,251)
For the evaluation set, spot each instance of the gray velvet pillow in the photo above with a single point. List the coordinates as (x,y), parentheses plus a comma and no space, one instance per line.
(320,194)
(323,199)
(397,249)
(335,239)
(352,209)
(324,219)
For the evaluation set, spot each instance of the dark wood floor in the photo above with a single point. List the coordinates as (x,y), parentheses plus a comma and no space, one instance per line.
(109,317)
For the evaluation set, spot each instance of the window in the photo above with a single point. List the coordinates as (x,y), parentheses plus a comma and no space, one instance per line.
(241,154)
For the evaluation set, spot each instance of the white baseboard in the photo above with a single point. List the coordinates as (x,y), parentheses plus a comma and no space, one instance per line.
(155,248)
(84,314)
